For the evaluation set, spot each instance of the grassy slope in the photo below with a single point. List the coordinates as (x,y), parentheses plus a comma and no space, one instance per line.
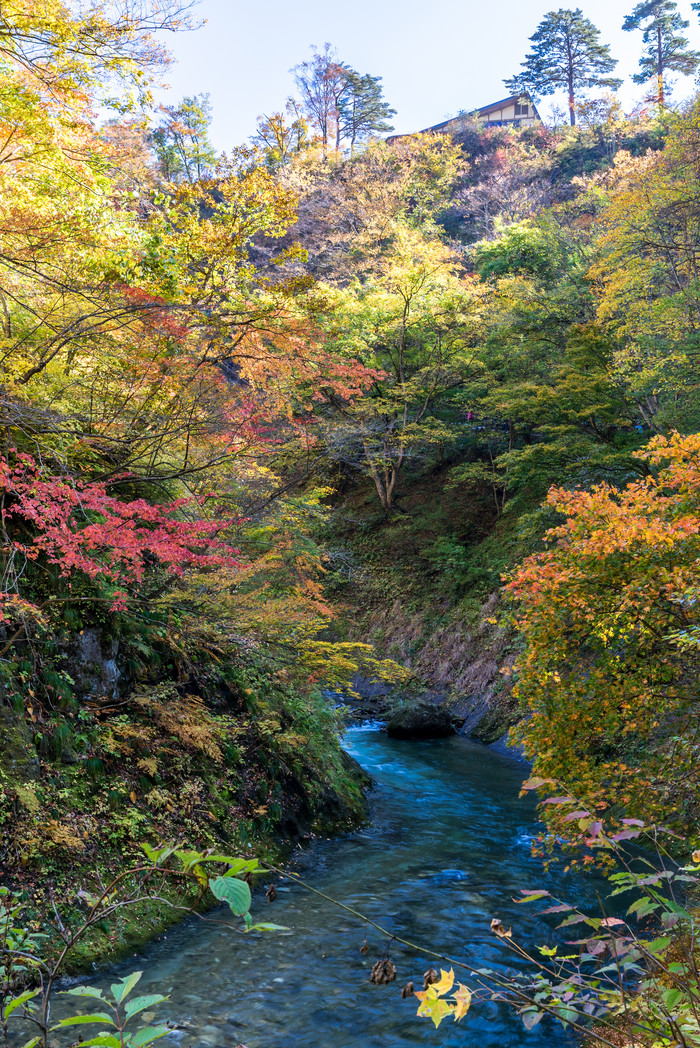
(256,769)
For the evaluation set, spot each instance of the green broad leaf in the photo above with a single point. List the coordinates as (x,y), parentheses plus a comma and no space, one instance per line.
(17,1002)
(267,926)
(579,918)
(672,998)
(188,858)
(85,991)
(138,1004)
(232,891)
(530,1017)
(642,907)
(32,1043)
(122,989)
(157,855)
(77,1020)
(566,1015)
(658,945)
(146,1036)
(103,1040)
(241,866)
(235,864)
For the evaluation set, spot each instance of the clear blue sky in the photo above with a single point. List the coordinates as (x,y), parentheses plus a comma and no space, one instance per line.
(436,58)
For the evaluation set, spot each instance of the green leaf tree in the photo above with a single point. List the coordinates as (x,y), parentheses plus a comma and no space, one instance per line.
(181,142)
(566,54)
(363,112)
(665,46)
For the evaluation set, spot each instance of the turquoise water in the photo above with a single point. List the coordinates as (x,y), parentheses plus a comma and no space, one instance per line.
(447,849)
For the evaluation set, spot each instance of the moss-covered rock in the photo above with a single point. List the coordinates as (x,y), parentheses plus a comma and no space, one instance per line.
(422,720)
(19,762)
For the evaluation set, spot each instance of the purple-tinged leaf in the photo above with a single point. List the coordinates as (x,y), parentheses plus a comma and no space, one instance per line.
(626,835)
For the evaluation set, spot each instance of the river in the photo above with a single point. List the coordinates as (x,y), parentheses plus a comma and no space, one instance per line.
(447,849)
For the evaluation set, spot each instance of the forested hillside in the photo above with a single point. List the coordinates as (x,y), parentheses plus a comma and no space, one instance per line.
(329,408)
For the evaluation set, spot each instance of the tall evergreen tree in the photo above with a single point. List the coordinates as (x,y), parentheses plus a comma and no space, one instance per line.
(665,46)
(363,111)
(566,54)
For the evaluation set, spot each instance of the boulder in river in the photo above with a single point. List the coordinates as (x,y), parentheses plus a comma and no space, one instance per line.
(422,720)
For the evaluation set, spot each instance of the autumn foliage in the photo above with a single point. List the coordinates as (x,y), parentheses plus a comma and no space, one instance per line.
(82,530)
(610,618)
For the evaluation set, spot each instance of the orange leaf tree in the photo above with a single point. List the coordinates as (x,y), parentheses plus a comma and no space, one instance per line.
(609,615)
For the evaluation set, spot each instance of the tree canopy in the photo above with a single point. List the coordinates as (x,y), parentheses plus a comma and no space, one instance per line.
(666,48)
(567,54)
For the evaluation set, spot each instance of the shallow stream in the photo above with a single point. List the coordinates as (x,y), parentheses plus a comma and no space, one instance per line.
(447,849)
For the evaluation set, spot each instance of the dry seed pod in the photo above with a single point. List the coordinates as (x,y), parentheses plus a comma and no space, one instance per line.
(431,976)
(383,972)
(499,930)
(364,948)
(407,990)
(271,893)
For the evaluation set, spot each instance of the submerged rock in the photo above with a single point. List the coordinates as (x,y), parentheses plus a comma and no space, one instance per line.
(424,720)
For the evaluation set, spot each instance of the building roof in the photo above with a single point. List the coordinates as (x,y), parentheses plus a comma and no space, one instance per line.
(484,111)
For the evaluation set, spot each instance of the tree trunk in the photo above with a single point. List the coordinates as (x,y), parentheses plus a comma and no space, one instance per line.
(659,67)
(570,78)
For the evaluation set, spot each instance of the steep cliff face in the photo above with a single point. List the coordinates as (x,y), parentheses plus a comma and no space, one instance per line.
(423,588)
(464,662)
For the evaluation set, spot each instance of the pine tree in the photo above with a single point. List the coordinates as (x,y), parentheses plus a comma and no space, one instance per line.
(363,110)
(567,54)
(665,46)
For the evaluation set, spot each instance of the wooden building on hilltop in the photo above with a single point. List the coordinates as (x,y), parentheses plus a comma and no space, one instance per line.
(515,111)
